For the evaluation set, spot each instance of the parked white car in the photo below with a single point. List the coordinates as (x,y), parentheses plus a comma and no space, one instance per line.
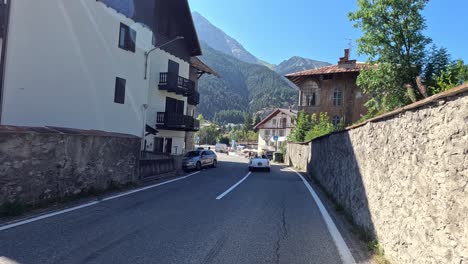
(221,148)
(259,163)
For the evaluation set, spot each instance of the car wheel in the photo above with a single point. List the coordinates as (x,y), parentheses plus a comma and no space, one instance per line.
(199,167)
(215,163)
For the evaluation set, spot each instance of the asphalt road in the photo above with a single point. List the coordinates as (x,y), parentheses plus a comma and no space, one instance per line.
(268,218)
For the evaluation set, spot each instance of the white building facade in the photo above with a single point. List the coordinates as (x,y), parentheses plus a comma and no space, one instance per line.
(274,130)
(82,64)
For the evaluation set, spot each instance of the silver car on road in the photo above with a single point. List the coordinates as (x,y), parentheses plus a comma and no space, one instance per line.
(199,159)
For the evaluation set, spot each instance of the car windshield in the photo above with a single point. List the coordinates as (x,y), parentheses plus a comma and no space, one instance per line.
(192,154)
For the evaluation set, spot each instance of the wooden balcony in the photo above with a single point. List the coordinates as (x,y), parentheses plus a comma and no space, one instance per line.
(175,84)
(178,122)
(194,98)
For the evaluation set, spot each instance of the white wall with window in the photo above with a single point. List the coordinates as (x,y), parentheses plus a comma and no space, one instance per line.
(158,62)
(63,62)
(279,124)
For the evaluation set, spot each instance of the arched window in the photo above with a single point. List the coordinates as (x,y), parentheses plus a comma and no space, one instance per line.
(310,94)
(336,120)
(337,97)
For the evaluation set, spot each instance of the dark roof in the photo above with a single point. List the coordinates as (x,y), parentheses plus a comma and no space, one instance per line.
(292,113)
(199,65)
(193,37)
(143,11)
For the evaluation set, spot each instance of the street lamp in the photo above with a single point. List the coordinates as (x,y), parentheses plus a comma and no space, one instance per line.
(155,48)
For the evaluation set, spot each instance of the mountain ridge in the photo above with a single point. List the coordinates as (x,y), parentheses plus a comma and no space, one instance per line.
(217,39)
(242,86)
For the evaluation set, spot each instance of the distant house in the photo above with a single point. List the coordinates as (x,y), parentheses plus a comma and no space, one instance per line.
(113,65)
(274,129)
(332,89)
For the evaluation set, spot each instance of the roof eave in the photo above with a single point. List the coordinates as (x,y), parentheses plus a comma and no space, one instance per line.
(197,51)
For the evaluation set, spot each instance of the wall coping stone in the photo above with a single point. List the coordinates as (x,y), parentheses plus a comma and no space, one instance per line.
(419,104)
(60,130)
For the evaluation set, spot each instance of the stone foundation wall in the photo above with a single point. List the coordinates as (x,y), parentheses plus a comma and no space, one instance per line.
(39,165)
(403,178)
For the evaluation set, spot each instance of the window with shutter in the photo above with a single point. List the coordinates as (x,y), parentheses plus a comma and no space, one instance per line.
(119,95)
(127,38)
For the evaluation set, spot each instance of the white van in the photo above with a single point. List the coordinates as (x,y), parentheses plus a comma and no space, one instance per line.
(221,148)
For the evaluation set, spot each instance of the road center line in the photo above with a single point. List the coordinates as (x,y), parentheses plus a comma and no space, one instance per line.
(343,249)
(37,218)
(233,187)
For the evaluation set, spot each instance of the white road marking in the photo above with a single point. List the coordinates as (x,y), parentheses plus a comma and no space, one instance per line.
(34,219)
(233,187)
(343,249)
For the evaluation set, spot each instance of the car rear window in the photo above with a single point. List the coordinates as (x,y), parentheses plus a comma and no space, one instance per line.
(192,154)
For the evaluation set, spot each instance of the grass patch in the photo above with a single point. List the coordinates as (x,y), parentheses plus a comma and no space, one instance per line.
(10,209)
(378,256)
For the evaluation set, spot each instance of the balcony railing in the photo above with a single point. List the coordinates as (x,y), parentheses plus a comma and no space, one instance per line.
(194,98)
(174,121)
(175,84)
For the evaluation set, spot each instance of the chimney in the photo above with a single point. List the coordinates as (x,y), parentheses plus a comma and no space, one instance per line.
(346,56)
(345,62)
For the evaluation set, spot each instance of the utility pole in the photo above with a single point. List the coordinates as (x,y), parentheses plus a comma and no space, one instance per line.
(276,136)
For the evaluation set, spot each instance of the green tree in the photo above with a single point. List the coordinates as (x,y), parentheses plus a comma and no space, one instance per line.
(394,42)
(208,135)
(320,127)
(257,119)
(437,61)
(229,116)
(303,125)
(455,74)
(200,117)
(224,140)
(251,136)
(248,123)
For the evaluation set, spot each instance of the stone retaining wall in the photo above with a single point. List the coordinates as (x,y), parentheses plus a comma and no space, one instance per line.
(403,178)
(42,164)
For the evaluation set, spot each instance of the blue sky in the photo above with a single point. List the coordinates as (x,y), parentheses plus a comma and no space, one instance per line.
(275,30)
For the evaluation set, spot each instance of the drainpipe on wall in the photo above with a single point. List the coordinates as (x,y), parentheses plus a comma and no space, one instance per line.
(143,130)
(6,21)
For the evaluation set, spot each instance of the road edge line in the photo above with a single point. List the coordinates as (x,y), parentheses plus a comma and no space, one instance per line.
(64,211)
(233,187)
(343,249)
